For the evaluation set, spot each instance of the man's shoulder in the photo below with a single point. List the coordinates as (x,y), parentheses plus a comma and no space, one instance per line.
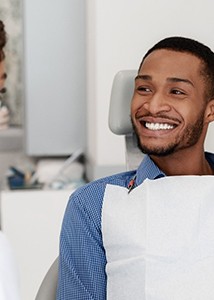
(89,198)
(98,186)
(94,190)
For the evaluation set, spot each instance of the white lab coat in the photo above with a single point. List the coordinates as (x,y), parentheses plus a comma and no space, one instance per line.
(9,286)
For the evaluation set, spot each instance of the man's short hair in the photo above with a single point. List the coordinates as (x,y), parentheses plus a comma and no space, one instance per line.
(204,53)
(2,40)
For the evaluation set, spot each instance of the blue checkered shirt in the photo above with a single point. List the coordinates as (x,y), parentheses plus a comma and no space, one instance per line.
(82,259)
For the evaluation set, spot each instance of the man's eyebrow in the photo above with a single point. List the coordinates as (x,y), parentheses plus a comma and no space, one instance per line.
(143,77)
(170,79)
(177,79)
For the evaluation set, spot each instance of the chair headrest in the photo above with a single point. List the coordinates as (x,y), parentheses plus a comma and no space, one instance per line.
(121,96)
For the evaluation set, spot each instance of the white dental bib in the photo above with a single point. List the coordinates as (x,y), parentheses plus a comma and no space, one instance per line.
(159,239)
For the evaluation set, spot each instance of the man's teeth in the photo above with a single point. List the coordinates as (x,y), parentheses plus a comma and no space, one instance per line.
(158,126)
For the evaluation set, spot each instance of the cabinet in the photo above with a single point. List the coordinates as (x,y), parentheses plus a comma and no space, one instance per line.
(31,220)
(54,72)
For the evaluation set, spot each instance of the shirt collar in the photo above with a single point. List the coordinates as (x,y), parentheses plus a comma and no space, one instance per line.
(210,158)
(148,169)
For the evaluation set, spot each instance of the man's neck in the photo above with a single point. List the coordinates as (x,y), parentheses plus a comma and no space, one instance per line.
(184,163)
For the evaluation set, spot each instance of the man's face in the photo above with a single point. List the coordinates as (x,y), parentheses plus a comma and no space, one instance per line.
(168,104)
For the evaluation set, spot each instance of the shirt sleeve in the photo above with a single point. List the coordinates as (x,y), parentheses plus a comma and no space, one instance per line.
(82,258)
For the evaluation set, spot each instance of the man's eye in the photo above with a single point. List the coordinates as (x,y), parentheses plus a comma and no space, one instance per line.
(143,89)
(177,92)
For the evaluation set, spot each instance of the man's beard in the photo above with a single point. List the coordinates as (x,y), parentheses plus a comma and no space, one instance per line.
(189,138)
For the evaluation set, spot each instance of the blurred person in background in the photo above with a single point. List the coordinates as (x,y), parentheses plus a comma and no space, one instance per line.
(9,289)
(4,113)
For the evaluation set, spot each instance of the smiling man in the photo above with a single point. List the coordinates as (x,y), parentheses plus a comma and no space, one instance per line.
(173,104)
(155,242)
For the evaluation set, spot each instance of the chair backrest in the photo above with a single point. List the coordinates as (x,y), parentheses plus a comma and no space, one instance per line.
(119,115)
(121,96)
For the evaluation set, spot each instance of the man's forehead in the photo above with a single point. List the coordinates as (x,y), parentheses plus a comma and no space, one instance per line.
(166,59)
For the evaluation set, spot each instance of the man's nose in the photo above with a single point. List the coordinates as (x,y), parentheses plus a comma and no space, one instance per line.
(157,103)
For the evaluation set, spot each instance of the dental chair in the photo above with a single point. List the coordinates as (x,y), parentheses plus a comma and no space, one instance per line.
(120,124)
(119,115)
(48,287)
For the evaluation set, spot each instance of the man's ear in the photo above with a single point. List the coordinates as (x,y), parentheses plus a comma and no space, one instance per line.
(209,112)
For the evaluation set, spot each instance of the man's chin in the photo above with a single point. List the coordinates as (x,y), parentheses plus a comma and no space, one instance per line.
(157,151)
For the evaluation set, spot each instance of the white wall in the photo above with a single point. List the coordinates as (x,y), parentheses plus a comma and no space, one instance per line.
(119,33)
